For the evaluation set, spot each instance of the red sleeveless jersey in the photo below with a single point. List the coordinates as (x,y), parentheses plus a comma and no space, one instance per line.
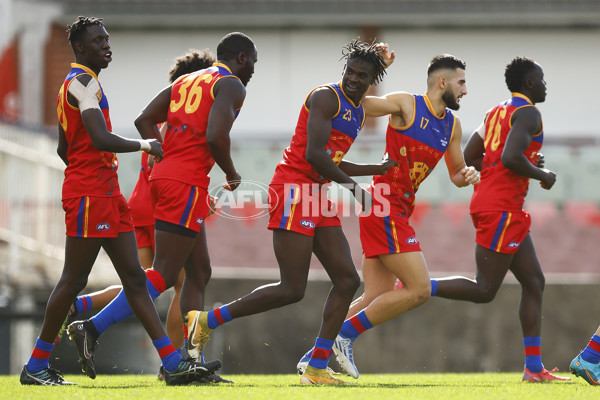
(90,172)
(416,148)
(140,200)
(187,157)
(345,125)
(501,189)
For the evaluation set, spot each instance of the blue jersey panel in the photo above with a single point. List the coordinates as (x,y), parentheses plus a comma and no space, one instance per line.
(429,129)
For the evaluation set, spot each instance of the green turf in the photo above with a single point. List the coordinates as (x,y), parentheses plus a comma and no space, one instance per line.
(249,387)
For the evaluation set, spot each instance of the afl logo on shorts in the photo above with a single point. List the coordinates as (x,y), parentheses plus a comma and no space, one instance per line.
(307,224)
(412,240)
(513,245)
(103,226)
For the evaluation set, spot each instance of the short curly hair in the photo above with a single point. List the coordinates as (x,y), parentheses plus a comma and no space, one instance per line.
(191,61)
(77,29)
(516,71)
(234,43)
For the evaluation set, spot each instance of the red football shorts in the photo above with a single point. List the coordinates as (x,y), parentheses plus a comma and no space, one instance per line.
(179,203)
(501,231)
(301,208)
(388,234)
(145,236)
(97,217)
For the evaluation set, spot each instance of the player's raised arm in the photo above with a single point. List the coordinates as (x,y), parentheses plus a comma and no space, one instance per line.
(392,103)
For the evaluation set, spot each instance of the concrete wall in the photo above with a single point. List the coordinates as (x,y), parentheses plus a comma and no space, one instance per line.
(293,61)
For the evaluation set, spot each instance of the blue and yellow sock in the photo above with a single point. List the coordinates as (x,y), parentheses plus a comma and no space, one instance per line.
(218,317)
(40,356)
(168,354)
(533,353)
(320,354)
(591,353)
(355,325)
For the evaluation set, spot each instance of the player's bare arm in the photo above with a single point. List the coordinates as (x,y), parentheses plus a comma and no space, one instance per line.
(63,145)
(475,148)
(229,97)
(526,123)
(355,169)
(400,105)
(460,174)
(153,114)
(323,104)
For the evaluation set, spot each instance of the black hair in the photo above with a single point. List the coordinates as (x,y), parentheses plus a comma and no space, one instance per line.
(78,28)
(367,53)
(445,61)
(516,71)
(234,43)
(191,61)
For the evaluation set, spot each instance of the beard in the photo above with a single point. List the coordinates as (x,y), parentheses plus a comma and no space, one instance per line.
(450,100)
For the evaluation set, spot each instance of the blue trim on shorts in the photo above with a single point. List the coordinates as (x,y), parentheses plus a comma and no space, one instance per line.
(287,207)
(188,206)
(80,217)
(499,230)
(388,233)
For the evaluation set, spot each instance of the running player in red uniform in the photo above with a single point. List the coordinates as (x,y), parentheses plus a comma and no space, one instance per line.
(200,109)
(422,129)
(142,210)
(506,149)
(303,221)
(97,215)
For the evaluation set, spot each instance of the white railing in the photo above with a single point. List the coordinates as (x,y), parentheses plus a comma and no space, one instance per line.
(32,227)
(31,217)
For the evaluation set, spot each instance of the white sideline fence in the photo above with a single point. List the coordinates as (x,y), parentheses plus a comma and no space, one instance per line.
(32,229)
(31,217)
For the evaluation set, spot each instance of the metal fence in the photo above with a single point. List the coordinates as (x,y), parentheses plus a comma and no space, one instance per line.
(31,218)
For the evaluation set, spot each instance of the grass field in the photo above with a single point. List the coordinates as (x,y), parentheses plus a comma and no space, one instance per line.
(248,387)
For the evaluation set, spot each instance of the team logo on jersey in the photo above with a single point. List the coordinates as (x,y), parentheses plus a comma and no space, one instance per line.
(513,245)
(444,142)
(103,226)
(412,240)
(307,224)
(199,221)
